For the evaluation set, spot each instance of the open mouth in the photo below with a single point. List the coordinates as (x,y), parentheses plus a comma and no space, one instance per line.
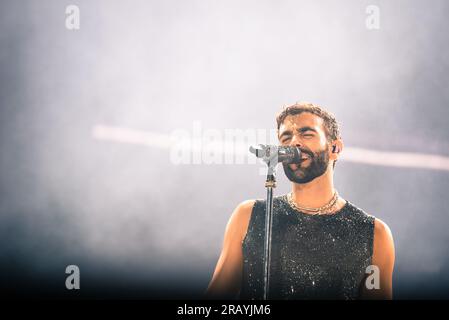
(295,166)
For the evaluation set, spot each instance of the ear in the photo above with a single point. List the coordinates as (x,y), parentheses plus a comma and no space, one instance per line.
(338,145)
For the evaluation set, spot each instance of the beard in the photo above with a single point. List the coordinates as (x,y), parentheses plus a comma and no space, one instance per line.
(315,166)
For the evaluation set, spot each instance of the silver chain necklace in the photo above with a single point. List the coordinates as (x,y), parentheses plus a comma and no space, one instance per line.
(314,211)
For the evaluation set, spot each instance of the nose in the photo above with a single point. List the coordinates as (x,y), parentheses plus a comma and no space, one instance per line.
(296,141)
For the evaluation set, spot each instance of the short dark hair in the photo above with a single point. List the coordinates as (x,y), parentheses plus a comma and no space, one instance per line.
(330,123)
(331,128)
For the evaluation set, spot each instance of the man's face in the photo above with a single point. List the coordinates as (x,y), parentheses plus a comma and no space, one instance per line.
(305,131)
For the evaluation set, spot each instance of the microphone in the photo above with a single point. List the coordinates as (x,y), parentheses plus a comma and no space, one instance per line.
(274,154)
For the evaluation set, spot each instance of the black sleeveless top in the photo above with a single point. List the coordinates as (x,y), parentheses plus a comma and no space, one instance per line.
(312,256)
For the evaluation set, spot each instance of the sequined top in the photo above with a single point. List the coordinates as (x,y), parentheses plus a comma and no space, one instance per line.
(313,256)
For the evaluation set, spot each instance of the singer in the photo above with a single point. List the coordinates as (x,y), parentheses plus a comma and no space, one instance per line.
(323,246)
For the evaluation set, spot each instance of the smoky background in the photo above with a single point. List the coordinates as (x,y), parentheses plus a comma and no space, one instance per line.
(139,226)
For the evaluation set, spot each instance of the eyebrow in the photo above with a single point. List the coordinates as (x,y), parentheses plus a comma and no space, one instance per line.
(300,130)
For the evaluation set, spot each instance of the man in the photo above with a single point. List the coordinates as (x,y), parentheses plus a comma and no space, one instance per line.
(323,246)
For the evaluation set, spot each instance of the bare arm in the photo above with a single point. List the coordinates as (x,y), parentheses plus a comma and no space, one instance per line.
(383,258)
(227,276)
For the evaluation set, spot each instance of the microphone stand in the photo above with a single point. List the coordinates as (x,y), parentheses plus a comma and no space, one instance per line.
(270,184)
(271,156)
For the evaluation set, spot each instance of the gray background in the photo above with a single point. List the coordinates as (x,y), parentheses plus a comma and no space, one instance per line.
(136,224)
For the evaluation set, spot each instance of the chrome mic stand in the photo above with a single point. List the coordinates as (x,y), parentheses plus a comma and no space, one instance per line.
(269,155)
(270,183)
(272,155)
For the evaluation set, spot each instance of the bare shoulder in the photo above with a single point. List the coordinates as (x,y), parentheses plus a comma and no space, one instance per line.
(381,231)
(226,279)
(241,216)
(246,205)
(243,210)
(383,251)
(383,258)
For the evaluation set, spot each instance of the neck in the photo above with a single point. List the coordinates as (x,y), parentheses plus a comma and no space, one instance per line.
(315,193)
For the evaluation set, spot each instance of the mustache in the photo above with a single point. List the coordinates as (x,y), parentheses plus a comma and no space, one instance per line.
(310,153)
